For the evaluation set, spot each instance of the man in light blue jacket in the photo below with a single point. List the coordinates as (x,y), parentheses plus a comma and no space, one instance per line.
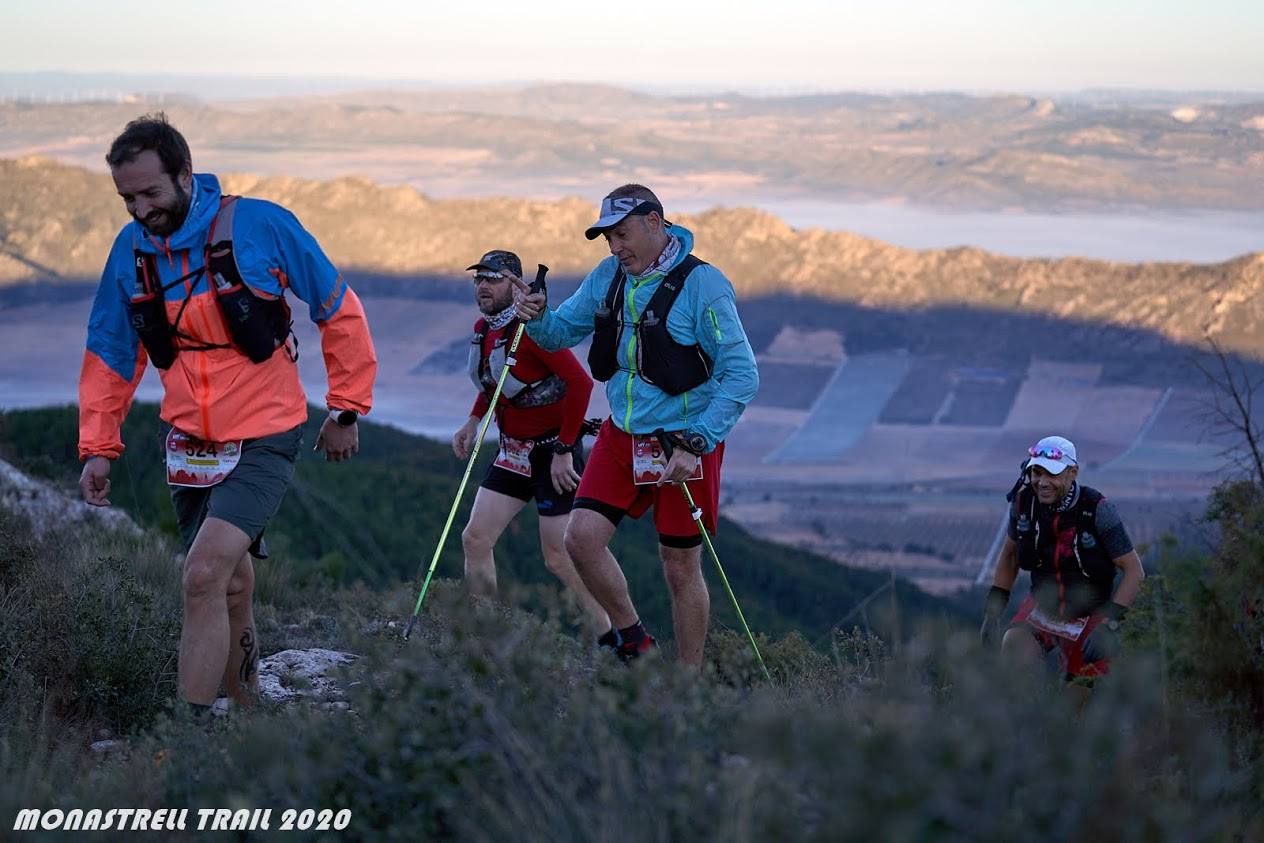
(671,349)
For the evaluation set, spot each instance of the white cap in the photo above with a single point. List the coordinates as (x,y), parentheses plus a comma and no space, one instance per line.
(1053,454)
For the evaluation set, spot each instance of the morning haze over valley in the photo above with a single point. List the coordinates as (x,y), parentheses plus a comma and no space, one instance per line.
(922,275)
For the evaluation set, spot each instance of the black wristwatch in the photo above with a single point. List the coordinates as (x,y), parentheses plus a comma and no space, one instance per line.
(560,447)
(694,443)
(344,418)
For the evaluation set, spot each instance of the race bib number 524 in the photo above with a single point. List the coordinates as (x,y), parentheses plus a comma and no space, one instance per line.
(197,463)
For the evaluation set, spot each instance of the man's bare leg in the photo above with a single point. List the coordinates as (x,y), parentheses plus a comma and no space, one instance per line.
(241,677)
(559,563)
(691,603)
(588,537)
(204,639)
(492,512)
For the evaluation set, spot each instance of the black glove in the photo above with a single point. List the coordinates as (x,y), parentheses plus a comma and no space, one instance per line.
(1103,642)
(993,610)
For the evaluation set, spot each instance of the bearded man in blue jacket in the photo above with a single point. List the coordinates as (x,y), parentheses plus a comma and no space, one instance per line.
(671,349)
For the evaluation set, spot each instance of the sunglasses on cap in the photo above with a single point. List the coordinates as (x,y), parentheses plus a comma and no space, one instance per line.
(1050,453)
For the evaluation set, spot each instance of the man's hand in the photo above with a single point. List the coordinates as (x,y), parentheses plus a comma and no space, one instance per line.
(993,611)
(565,477)
(1104,641)
(679,467)
(94,481)
(1102,644)
(463,439)
(530,305)
(340,443)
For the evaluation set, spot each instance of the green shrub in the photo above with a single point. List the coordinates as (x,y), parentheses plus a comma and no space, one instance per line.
(89,625)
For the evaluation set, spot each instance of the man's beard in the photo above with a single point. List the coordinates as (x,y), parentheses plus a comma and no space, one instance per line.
(172,217)
(494,306)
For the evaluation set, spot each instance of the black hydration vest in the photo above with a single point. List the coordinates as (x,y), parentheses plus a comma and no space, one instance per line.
(1071,573)
(257,326)
(521,395)
(660,360)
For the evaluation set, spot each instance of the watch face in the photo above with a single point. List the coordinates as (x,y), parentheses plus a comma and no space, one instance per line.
(697,443)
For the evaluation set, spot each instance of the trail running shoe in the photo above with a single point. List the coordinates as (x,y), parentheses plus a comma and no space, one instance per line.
(629,650)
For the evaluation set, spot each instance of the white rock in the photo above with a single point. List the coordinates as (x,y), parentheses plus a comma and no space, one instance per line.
(306,671)
(49,507)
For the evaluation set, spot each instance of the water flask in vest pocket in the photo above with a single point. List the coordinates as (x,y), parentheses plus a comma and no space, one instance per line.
(602,354)
(249,322)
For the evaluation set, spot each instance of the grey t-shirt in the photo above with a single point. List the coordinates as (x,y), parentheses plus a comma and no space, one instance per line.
(1108,526)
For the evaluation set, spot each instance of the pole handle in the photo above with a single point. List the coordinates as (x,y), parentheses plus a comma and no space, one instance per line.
(538,285)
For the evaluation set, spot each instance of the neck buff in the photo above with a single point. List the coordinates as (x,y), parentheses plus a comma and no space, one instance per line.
(1069,500)
(499,320)
(664,261)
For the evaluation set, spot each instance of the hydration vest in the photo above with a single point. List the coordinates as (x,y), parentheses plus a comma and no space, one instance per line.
(485,370)
(660,360)
(1071,573)
(256,325)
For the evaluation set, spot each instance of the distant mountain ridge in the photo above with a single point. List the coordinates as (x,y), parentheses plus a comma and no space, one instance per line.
(58,221)
(1097,151)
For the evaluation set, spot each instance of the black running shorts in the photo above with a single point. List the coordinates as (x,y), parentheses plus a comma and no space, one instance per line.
(539,485)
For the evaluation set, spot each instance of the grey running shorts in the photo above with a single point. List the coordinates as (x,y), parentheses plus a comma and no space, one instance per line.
(249,496)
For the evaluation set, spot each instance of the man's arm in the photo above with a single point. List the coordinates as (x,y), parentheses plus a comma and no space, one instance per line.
(572,321)
(1134,573)
(1103,642)
(1006,566)
(345,341)
(578,390)
(1118,545)
(113,364)
(113,361)
(719,331)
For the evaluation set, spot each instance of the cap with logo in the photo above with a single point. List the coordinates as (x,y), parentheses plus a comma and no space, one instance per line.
(615,211)
(498,260)
(1053,453)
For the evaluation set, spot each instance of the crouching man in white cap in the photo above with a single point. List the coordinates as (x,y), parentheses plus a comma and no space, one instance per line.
(1072,541)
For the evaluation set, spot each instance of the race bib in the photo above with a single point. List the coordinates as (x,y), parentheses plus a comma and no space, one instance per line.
(1069,629)
(649,462)
(515,455)
(198,464)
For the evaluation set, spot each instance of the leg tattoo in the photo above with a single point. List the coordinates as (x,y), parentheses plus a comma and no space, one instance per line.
(250,656)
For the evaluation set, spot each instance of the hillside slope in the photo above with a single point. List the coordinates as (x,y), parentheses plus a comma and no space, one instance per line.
(376,519)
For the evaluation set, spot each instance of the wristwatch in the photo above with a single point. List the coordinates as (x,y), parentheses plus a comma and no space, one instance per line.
(694,443)
(560,447)
(344,418)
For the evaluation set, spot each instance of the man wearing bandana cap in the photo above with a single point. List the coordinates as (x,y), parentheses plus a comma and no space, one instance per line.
(668,341)
(1072,541)
(540,417)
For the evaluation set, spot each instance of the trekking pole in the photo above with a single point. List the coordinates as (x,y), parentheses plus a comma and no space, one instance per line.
(696,512)
(537,286)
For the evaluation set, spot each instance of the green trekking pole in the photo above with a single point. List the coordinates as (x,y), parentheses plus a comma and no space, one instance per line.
(537,286)
(695,511)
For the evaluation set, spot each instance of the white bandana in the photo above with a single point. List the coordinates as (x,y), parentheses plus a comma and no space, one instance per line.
(499,320)
(665,260)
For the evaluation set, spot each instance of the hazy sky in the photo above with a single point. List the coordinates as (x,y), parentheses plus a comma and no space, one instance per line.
(789,45)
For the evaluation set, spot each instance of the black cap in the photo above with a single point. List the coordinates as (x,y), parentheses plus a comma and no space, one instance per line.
(499,260)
